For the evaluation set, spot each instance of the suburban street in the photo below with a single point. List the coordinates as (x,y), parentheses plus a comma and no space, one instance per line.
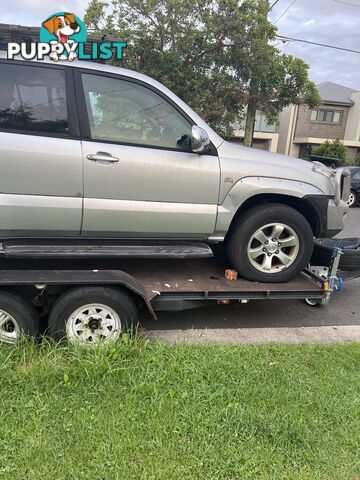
(268,320)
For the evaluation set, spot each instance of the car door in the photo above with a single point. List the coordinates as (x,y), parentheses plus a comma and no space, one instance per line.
(139,179)
(355,181)
(40,158)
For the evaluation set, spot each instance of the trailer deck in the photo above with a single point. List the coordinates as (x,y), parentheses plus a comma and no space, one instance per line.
(164,280)
(204,278)
(49,290)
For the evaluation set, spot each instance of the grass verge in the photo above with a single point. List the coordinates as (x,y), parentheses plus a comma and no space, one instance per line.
(145,410)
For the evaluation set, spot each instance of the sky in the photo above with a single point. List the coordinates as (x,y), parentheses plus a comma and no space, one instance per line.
(323,21)
(334,22)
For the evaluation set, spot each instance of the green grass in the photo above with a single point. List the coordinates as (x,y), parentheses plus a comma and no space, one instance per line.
(144,410)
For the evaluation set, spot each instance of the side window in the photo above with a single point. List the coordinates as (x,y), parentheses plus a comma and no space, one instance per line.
(32,98)
(125,112)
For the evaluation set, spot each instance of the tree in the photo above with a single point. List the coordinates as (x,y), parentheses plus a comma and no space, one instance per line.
(333,149)
(357,159)
(216,55)
(170,40)
(270,80)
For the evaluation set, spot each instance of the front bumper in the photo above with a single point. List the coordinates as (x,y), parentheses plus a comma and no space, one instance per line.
(330,216)
(336,216)
(331,210)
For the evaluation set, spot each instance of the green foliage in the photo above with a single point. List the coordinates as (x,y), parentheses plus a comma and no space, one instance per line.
(357,159)
(333,149)
(217,55)
(148,411)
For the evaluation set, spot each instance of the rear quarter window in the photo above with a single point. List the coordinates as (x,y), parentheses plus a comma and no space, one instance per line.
(33,99)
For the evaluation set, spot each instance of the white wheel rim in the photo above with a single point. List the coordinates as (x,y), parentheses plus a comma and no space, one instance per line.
(351,199)
(93,323)
(9,328)
(273,248)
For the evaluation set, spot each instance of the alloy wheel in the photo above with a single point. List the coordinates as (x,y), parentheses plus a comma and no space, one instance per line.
(273,247)
(351,199)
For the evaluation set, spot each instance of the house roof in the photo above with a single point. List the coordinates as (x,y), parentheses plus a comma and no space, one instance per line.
(17,33)
(334,93)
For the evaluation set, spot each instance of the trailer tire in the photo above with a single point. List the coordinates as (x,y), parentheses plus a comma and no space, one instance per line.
(18,318)
(92,315)
(313,303)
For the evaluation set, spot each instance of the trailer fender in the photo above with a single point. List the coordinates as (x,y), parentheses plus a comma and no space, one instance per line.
(43,278)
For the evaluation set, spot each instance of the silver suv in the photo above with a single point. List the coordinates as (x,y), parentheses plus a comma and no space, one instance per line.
(89,151)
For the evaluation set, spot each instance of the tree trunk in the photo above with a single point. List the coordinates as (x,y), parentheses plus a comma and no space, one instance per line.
(253,94)
(250,124)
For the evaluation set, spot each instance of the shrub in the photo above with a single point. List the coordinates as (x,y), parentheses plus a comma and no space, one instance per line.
(333,149)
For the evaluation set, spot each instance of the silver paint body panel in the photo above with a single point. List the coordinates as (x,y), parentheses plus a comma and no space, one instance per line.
(149,192)
(129,218)
(38,215)
(247,187)
(41,186)
(337,215)
(239,162)
(40,165)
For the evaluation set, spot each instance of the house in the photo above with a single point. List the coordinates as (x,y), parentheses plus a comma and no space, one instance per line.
(265,135)
(302,128)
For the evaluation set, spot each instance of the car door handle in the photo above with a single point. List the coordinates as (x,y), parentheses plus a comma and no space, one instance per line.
(102,157)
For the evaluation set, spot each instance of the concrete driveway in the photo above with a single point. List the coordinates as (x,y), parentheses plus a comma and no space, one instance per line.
(268,320)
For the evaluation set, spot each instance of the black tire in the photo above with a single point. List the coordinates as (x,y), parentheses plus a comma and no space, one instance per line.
(23,313)
(118,300)
(313,303)
(349,260)
(220,252)
(253,219)
(357,200)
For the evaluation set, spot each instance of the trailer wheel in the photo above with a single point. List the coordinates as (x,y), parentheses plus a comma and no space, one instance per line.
(312,303)
(18,318)
(92,315)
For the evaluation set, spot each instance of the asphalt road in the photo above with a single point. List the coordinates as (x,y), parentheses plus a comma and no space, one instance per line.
(268,320)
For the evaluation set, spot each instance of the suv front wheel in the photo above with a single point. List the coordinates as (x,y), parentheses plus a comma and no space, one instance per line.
(270,243)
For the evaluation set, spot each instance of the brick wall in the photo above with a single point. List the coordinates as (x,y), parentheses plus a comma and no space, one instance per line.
(352,153)
(306,128)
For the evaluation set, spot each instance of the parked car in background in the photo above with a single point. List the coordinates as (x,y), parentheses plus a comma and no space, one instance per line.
(354,197)
(91,153)
(328,161)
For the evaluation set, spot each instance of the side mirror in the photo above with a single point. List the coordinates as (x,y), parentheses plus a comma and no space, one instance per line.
(199,139)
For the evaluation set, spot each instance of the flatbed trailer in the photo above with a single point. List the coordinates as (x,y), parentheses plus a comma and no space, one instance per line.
(107,300)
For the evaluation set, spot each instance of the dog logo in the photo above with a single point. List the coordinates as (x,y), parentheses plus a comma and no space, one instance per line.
(64,31)
(63,37)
